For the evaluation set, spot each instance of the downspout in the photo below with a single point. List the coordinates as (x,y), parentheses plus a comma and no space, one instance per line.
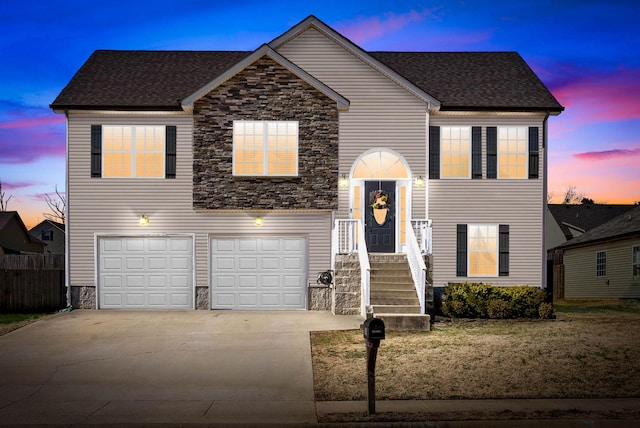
(67,266)
(544,203)
(426,181)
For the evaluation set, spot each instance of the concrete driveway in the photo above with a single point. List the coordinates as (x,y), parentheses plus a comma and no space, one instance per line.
(92,367)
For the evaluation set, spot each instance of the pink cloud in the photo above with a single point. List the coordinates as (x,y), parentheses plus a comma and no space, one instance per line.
(33,121)
(602,97)
(370,28)
(607,154)
(14,185)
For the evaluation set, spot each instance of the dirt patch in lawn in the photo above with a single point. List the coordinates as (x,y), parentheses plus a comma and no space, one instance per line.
(578,355)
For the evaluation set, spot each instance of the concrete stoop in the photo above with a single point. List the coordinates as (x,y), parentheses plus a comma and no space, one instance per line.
(405,321)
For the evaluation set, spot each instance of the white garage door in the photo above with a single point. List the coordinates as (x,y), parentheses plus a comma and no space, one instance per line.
(145,273)
(258,273)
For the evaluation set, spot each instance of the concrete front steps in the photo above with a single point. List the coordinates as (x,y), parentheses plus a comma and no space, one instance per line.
(392,293)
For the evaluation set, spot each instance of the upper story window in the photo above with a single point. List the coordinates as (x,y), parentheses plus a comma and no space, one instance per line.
(455,152)
(133,151)
(636,263)
(265,148)
(513,157)
(601,263)
(46,235)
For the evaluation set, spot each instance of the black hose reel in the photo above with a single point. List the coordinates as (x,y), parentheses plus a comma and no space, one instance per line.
(325,278)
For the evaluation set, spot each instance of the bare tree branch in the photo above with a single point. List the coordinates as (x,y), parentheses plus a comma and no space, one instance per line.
(57,204)
(4,203)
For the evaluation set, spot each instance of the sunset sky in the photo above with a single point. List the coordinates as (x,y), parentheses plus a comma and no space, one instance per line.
(586,52)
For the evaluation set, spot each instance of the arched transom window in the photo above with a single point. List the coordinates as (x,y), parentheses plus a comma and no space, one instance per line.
(380,164)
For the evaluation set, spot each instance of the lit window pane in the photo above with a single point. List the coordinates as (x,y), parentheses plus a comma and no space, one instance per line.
(482,250)
(265,148)
(121,145)
(512,152)
(455,152)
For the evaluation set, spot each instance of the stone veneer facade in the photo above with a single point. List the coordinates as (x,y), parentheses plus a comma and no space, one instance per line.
(265,90)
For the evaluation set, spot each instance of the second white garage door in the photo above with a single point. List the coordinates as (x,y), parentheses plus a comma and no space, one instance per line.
(258,273)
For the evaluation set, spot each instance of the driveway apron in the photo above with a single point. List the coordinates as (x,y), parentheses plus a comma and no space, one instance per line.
(112,367)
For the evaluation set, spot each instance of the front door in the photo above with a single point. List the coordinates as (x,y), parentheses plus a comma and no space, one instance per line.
(379,221)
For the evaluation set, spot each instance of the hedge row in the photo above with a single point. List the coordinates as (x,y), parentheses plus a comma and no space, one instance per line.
(477,300)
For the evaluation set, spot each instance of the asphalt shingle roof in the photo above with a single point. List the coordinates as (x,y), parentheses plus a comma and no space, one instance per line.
(137,80)
(585,216)
(623,226)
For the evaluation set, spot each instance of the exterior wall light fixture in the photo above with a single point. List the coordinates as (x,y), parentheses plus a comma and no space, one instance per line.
(344,181)
(420,181)
(258,221)
(143,220)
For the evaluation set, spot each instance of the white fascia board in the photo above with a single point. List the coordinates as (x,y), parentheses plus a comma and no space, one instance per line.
(265,50)
(358,52)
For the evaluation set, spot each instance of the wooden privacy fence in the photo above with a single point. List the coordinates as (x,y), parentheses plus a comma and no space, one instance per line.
(32,283)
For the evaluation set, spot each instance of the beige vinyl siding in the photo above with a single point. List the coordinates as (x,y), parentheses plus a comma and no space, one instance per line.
(381,113)
(112,206)
(580,280)
(518,203)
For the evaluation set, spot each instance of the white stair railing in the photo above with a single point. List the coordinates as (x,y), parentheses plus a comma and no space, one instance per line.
(415,250)
(423,232)
(348,238)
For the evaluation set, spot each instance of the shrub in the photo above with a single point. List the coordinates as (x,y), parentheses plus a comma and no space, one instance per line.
(477,300)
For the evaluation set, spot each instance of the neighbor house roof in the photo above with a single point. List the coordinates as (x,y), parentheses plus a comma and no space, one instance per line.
(584,217)
(161,80)
(626,225)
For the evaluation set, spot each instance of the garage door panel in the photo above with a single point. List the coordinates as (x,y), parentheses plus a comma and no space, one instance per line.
(145,272)
(258,273)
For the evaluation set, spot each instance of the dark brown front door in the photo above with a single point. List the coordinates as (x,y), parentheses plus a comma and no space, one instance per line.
(379,222)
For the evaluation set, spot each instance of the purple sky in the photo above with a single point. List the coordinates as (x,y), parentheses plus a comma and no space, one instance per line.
(586,52)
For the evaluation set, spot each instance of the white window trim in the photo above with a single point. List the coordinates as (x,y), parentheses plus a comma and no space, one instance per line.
(600,274)
(526,145)
(497,252)
(470,166)
(265,161)
(133,153)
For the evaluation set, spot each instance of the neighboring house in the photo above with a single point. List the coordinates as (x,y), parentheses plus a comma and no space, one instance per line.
(14,236)
(567,221)
(52,234)
(604,262)
(298,137)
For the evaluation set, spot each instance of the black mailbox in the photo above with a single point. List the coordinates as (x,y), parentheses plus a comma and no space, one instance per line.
(373,329)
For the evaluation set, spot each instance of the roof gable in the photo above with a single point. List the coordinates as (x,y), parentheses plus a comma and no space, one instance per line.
(313,22)
(584,217)
(263,51)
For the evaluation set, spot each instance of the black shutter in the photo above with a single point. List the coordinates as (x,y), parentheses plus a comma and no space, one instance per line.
(96,150)
(434,152)
(461,250)
(170,152)
(534,155)
(476,152)
(503,250)
(492,152)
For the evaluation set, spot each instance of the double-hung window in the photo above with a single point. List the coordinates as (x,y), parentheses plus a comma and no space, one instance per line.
(483,249)
(513,157)
(601,264)
(133,151)
(636,263)
(265,148)
(455,152)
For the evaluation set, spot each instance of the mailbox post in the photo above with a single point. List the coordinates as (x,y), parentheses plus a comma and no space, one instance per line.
(373,330)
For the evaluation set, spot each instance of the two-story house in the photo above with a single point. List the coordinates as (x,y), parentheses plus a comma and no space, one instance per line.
(226,179)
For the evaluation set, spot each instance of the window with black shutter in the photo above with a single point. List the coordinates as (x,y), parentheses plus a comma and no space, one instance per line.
(534,155)
(434,152)
(476,152)
(461,250)
(492,152)
(503,250)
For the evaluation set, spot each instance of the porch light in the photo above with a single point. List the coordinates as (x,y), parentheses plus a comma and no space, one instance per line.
(143,220)
(420,181)
(344,181)
(258,221)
